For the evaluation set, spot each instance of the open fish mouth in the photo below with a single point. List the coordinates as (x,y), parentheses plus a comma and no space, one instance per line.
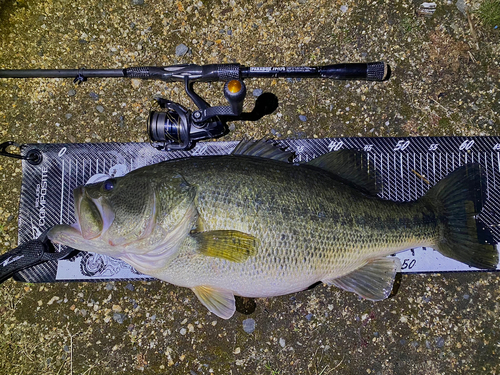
(93,216)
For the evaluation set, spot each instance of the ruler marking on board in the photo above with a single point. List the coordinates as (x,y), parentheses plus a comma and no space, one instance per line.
(421,171)
(395,177)
(388,182)
(414,177)
(487,176)
(433,168)
(68,195)
(62,194)
(494,177)
(427,172)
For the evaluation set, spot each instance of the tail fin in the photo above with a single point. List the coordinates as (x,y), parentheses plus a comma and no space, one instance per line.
(456,200)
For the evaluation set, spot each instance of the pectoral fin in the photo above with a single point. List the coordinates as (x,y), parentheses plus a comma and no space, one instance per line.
(374,281)
(227,244)
(219,301)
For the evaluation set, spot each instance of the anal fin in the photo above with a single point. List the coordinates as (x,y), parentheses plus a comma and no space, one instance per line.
(218,301)
(231,245)
(374,281)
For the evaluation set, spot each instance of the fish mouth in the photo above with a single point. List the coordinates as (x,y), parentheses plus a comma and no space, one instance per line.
(93,215)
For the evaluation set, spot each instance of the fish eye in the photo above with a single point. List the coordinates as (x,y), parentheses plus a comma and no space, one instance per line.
(109,185)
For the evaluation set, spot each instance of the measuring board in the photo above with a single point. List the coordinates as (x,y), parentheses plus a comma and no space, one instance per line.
(407,168)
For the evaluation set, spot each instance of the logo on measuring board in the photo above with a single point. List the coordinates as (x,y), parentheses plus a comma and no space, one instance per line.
(40,201)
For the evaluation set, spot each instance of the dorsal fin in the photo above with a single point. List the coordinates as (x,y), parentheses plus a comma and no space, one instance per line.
(262,148)
(350,165)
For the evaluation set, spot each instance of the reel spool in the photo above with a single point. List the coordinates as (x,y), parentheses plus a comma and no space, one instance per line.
(174,127)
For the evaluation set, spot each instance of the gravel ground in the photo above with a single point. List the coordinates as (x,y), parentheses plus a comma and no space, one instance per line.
(444,82)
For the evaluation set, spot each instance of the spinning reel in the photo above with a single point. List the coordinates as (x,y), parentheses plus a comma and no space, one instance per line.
(178,128)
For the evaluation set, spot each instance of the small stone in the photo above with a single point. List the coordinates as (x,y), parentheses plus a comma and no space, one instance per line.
(136,83)
(461,6)
(100,108)
(117,317)
(282,342)
(257,92)
(426,9)
(440,342)
(72,92)
(190,327)
(137,2)
(94,96)
(109,286)
(249,325)
(302,118)
(183,331)
(117,308)
(309,316)
(181,50)
(343,8)
(68,116)
(129,286)
(237,350)
(52,300)
(466,296)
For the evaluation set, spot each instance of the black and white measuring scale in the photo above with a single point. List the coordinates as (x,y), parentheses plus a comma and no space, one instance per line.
(407,167)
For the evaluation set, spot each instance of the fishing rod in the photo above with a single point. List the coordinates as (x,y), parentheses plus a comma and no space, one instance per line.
(174,127)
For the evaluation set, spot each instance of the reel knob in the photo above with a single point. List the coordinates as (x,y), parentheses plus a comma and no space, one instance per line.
(235,92)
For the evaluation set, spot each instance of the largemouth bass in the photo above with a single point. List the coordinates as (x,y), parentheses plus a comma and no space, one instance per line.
(254,225)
